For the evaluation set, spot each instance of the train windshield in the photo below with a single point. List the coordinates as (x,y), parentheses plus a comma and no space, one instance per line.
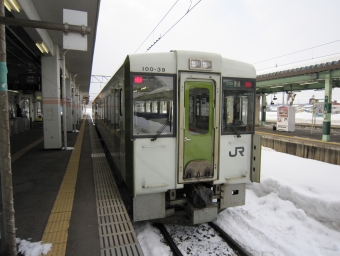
(153,103)
(238,106)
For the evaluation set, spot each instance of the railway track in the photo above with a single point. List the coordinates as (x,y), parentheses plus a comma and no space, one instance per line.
(237,249)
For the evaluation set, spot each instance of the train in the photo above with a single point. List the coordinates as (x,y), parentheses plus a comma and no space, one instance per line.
(180,128)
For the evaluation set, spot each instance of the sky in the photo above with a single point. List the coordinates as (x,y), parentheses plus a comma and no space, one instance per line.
(245,30)
(294,211)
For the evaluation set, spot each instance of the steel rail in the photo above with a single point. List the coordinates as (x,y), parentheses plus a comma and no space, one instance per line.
(231,242)
(168,238)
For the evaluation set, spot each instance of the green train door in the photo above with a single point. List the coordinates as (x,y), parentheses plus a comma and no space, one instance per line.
(198,135)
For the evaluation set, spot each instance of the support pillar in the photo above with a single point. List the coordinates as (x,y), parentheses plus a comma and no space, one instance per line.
(78,103)
(74,114)
(327,111)
(69,121)
(263,110)
(50,76)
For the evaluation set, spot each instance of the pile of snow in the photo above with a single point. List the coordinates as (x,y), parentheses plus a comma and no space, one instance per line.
(294,211)
(32,249)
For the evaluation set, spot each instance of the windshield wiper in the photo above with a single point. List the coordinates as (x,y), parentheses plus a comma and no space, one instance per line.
(235,131)
(160,130)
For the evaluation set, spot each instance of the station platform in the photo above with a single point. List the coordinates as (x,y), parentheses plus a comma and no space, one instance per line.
(69,197)
(303,142)
(302,131)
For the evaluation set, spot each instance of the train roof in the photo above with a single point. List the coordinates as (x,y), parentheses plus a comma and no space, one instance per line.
(225,66)
(176,61)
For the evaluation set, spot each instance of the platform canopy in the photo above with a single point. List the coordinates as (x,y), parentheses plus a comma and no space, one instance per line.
(308,75)
(23,56)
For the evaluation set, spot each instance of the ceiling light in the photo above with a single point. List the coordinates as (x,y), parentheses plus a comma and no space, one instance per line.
(12,5)
(42,47)
(306,83)
(276,86)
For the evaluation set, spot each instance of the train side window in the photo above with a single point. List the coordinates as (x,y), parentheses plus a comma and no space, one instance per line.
(105,110)
(199,108)
(238,106)
(116,108)
(121,105)
(153,101)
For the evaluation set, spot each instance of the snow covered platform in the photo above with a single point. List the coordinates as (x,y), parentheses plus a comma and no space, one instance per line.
(68,198)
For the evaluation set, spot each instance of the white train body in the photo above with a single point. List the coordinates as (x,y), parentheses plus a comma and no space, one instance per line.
(180,129)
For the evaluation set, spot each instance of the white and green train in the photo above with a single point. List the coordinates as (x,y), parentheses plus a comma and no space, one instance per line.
(181,132)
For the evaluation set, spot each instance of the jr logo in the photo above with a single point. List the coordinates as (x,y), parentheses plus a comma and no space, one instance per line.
(237,149)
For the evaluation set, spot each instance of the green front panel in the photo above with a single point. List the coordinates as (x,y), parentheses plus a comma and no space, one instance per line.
(199,132)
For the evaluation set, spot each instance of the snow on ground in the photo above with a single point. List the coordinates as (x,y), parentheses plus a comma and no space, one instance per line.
(295,210)
(28,248)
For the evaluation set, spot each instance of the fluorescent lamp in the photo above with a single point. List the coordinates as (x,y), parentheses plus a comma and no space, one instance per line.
(39,47)
(12,5)
(276,86)
(9,8)
(42,47)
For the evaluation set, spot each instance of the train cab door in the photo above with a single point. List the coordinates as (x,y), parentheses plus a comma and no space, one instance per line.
(198,138)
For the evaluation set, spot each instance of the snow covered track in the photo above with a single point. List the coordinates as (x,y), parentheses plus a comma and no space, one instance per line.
(231,242)
(171,243)
(177,242)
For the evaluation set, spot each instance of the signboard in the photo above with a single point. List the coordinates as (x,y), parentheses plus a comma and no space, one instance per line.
(28,79)
(318,109)
(71,40)
(286,118)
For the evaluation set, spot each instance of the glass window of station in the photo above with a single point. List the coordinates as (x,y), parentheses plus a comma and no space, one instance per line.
(153,105)
(238,103)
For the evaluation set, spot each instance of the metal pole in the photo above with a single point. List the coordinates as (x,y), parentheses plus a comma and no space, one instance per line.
(64,102)
(5,150)
(45,25)
(327,110)
(72,102)
(263,110)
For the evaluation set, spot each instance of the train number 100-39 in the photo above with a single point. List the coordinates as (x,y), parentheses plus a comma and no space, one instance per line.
(153,69)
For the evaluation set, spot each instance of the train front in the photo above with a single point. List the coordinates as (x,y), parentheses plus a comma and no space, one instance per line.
(194,147)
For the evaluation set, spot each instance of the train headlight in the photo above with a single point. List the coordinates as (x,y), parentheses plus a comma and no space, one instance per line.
(195,64)
(206,64)
(200,64)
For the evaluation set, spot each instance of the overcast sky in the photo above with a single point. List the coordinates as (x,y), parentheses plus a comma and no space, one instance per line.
(248,30)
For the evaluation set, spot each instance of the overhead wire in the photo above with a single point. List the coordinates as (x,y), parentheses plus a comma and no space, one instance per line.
(156,26)
(174,24)
(296,52)
(298,61)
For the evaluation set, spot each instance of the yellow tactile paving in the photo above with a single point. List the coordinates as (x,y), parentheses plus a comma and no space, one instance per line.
(64,201)
(57,226)
(57,237)
(66,189)
(58,249)
(59,216)
(63,195)
(25,149)
(56,231)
